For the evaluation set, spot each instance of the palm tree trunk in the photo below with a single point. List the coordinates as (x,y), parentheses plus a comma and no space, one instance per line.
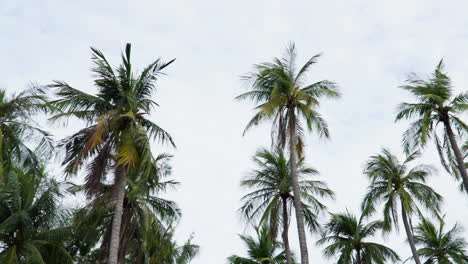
(409,234)
(458,154)
(285,230)
(117,217)
(295,187)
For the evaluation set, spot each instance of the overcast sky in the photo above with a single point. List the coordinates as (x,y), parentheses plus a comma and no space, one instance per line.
(368,47)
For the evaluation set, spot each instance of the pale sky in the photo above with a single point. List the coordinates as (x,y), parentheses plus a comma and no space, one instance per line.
(368,47)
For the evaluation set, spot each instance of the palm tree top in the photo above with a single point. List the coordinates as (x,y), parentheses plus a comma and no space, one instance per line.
(438,245)
(347,236)
(394,182)
(278,87)
(120,92)
(436,103)
(435,90)
(271,182)
(261,249)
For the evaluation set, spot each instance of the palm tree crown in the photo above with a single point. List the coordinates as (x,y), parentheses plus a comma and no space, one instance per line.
(271,199)
(32,225)
(117,127)
(18,130)
(261,250)
(347,236)
(278,87)
(393,183)
(436,104)
(439,246)
(271,182)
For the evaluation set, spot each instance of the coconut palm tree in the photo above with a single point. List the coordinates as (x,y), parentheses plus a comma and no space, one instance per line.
(436,105)
(18,130)
(347,236)
(393,183)
(32,228)
(285,98)
(261,249)
(438,246)
(271,198)
(160,247)
(141,202)
(117,135)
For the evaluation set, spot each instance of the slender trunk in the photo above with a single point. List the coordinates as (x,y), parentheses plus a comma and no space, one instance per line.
(358,256)
(458,154)
(409,234)
(295,187)
(285,231)
(117,217)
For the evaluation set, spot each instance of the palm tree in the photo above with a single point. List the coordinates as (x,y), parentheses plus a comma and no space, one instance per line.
(271,199)
(160,247)
(141,202)
(284,98)
(18,130)
(347,237)
(32,226)
(117,134)
(438,246)
(393,183)
(261,250)
(436,105)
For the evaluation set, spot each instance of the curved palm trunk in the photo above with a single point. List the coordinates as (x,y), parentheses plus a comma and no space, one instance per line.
(409,234)
(117,218)
(458,154)
(287,250)
(295,187)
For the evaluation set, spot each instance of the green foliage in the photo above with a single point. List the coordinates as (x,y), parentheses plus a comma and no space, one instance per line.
(271,183)
(18,131)
(117,133)
(393,183)
(347,237)
(32,228)
(141,204)
(159,245)
(278,87)
(435,104)
(438,246)
(260,250)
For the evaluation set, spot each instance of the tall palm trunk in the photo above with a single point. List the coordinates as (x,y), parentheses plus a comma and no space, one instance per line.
(295,186)
(285,230)
(117,217)
(409,234)
(358,256)
(458,154)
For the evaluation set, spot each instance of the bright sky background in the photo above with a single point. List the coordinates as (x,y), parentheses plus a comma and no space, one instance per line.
(368,48)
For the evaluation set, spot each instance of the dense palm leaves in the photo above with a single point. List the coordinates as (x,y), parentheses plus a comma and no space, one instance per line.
(141,203)
(18,130)
(347,237)
(438,246)
(160,247)
(394,183)
(261,250)
(271,199)
(117,136)
(31,221)
(436,105)
(284,97)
